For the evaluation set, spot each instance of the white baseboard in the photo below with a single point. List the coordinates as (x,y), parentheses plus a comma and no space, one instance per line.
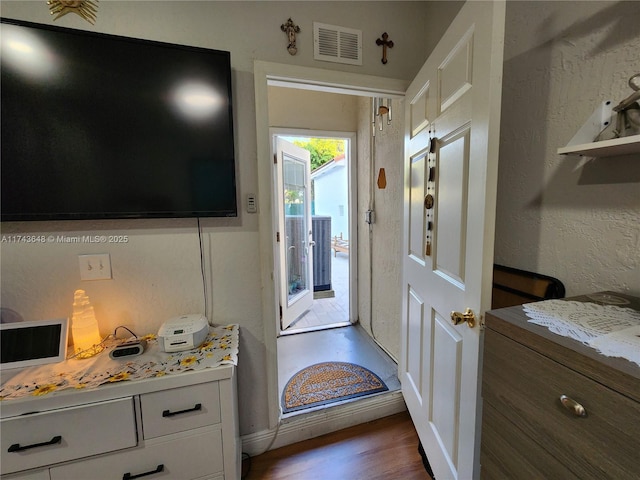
(304,426)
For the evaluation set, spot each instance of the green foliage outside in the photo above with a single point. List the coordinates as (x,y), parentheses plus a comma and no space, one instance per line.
(322,150)
(293,196)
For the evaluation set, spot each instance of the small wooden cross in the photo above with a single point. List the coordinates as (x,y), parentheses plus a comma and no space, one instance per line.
(385,43)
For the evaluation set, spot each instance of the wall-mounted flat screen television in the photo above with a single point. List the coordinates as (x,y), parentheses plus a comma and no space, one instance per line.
(102,126)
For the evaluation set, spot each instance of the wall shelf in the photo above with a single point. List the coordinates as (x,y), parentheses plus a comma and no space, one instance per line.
(604,148)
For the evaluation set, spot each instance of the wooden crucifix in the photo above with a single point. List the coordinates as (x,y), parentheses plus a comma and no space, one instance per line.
(385,43)
(291,29)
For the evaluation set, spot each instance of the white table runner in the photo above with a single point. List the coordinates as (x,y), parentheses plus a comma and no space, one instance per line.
(219,348)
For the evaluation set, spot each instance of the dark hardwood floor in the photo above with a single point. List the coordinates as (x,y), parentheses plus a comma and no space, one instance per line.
(383,449)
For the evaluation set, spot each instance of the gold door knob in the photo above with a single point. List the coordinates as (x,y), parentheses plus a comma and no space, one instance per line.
(468,316)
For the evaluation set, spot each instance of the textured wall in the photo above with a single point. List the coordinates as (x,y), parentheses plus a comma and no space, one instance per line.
(575,220)
(379,252)
(157,274)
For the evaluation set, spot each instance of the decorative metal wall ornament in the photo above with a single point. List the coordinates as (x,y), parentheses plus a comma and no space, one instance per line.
(429,199)
(385,42)
(87,9)
(378,112)
(291,29)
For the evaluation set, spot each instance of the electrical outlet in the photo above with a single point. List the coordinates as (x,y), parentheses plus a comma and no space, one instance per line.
(95,267)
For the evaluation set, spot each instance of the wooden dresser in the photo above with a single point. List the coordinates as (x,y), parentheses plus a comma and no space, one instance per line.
(181,426)
(528,433)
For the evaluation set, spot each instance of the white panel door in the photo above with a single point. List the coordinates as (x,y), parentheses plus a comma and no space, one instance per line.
(293,197)
(451,154)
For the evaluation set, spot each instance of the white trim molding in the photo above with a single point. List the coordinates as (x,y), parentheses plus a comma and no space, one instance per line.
(265,74)
(324,420)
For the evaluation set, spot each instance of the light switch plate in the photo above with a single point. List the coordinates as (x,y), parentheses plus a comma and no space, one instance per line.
(252,204)
(95,267)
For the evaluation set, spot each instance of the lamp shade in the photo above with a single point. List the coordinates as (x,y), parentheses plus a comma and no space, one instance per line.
(84,327)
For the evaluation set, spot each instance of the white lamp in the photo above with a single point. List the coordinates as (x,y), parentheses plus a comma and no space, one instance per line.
(84,327)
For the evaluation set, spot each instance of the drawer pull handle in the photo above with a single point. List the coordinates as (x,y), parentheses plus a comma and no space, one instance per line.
(169,413)
(128,476)
(17,448)
(573,406)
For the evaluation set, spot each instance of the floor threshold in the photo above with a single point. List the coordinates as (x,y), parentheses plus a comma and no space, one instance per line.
(318,328)
(305,424)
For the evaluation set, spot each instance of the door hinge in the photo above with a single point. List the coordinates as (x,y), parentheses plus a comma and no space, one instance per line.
(275,158)
(280,312)
(277,236)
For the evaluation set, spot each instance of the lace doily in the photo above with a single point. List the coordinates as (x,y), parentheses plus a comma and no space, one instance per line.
(623,343)
(608,328)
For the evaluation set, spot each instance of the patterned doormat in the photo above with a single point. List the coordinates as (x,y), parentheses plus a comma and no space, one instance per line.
(329,382)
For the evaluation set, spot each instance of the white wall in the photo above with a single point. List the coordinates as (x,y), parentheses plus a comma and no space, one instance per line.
(311,110)
(157,275)
(557,215)
(331,197)
(379,255)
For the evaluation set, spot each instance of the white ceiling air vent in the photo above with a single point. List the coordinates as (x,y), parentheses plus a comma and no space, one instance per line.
(337,44)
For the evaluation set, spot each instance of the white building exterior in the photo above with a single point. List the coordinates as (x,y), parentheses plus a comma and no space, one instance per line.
(331,193)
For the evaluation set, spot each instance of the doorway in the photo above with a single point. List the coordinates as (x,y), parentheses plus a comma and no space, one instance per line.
(270,112)
(326,331)
(314,199)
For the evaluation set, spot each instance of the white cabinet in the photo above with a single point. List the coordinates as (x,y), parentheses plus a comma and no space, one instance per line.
(62,434)
(187,456)
(180,409)
(178,426)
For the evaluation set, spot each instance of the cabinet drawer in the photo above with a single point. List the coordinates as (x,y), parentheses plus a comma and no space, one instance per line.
(32,475)
(180,409)
(54,436)
(513,455)
(189,457)
(526,387)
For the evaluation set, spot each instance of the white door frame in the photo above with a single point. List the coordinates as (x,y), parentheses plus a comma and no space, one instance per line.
(276,74)
(353,203)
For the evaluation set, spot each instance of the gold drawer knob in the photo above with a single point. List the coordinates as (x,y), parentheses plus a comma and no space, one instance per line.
(573,406)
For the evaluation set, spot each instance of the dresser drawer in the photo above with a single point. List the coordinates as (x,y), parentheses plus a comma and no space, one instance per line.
(514,455)
(180,409)
(54,436)
(189,457)
(526,388)
(32,475)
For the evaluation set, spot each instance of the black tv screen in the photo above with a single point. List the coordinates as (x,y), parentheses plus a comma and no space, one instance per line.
(101,126)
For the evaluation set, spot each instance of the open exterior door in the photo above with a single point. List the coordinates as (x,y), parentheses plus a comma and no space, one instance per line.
(294,237)
(451,155)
